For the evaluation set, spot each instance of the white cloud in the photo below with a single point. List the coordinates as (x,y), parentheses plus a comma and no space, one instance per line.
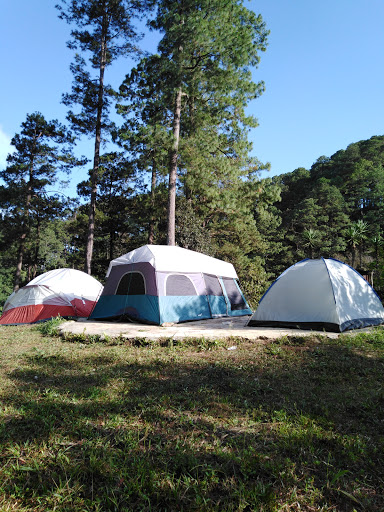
(5,148)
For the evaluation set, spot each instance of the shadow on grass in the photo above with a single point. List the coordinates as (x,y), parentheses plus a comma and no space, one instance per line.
(297,425)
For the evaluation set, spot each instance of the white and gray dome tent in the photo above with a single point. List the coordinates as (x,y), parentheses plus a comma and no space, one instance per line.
(323,294)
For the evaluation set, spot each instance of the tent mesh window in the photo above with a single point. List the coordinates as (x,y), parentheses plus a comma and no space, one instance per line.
(179,285)
(213,285)
(131,283)
(234,295)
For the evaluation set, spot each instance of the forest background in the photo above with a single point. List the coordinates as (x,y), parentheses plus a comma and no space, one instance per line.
(184,106)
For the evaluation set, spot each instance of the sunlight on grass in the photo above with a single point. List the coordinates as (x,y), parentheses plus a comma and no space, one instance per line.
(289,424)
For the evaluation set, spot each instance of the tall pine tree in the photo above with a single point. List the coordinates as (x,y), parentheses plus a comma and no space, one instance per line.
(209,46)
(202,82)
(104,32)
(42,149)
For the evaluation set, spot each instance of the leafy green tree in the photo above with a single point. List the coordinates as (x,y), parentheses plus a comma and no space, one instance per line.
(52,249)
(334,209)
(47,238)
(294,188)
(7,257)
(149,145)
(357,172)
(205,56)
(311,240)
(6,285)
(190,232)
(305,219)
(333,220)
(356,233)
(269,223)
(145,137)
(241,244)
(365,188)
(104,32)
(378,243)
(42,149)
(121,212)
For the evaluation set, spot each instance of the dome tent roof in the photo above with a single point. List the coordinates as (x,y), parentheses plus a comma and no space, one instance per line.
(165,258)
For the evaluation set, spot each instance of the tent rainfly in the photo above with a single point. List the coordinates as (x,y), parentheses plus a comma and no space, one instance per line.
(323,294)
(160,284)
(64,291)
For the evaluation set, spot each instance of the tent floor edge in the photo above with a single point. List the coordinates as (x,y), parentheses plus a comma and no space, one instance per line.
(360,323)
(309,326)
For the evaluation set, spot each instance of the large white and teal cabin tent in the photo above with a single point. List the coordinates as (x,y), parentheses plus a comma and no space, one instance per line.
(167,284)
(323,294)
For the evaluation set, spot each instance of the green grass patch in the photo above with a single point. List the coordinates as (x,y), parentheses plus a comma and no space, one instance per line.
(103,425)
(50,327)
(366,340)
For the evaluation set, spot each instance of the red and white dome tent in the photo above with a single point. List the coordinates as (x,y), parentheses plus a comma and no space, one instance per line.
(64,291)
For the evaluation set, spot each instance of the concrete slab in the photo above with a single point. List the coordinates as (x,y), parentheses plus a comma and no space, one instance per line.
(213,328)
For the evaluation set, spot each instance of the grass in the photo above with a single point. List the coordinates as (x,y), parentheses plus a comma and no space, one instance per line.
(294,424)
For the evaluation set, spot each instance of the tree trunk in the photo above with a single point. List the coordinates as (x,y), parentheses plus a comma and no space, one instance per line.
(37,248)
(19,264)
(96,158)
(23,236)
(111,245)
(361,255)
(151,232)
(173,171)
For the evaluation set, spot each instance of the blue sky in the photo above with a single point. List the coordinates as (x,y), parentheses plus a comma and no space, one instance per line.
(323,70)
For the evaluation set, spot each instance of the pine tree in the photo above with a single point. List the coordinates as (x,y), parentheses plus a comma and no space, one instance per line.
(204,83)
(42,149)
(145,135)
(105,32)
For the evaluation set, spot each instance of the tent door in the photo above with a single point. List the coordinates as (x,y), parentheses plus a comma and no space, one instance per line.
(217,301)
(233,296)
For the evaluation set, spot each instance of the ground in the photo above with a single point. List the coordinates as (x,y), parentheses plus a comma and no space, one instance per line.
(212,328)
